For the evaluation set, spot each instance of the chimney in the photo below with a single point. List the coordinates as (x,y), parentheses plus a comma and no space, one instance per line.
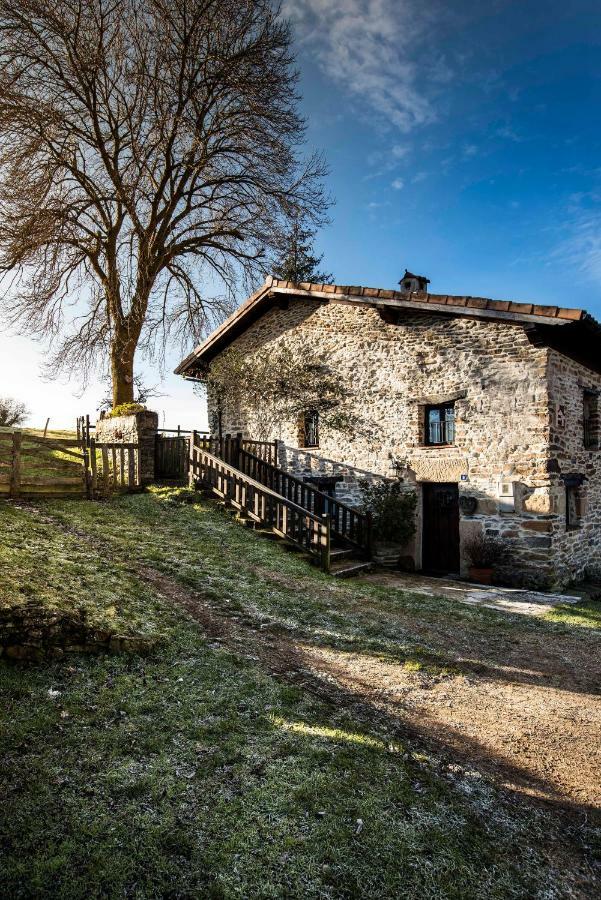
(410,282)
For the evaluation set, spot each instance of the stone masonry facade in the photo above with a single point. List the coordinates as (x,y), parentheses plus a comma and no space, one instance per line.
(518,411)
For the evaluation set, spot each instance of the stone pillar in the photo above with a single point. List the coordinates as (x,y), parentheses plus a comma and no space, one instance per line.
(139,428)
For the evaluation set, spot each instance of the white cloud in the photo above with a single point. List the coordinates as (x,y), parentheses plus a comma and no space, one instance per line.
(419,176)
(398,184)
(373,49)
(581,249)
(579,244)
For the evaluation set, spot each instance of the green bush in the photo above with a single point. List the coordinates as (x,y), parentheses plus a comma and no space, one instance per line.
(126,409)
(392,507)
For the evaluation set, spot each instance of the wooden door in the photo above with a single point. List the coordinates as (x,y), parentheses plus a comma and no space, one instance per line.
(440,535)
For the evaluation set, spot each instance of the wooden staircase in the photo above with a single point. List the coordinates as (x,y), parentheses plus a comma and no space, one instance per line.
(335,536)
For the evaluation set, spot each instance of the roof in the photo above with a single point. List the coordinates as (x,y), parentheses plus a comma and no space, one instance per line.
(538,317)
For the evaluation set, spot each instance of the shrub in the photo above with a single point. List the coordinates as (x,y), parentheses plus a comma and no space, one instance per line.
(484,551)
(392,507)
(126,409)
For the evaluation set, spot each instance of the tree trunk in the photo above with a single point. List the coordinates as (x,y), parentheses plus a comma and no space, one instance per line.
(122,371)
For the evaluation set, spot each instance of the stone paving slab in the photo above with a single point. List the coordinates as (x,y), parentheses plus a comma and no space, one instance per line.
(513,600)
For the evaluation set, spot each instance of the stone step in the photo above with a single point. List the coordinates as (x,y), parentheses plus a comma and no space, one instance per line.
(351,567)
(341,553)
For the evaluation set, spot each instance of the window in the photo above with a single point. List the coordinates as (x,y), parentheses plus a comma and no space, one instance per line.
(591,420)
(310,429)
(574,501)
(440,424)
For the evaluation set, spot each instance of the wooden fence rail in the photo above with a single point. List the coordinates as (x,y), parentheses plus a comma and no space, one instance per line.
(285,518)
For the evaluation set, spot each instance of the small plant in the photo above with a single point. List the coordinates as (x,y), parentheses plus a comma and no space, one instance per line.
(485,551)
(126,409)
(392,507)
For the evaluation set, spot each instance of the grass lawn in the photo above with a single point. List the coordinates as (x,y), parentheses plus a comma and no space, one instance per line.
(198,772)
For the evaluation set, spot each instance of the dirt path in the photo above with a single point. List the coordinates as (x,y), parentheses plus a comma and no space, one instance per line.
(522,705)
(539,740)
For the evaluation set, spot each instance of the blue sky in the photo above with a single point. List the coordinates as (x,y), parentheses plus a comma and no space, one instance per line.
(464,142)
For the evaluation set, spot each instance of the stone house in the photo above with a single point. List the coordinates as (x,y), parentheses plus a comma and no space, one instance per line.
(489,409)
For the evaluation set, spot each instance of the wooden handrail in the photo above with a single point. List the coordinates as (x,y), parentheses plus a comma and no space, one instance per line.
(286,518)
(346,522)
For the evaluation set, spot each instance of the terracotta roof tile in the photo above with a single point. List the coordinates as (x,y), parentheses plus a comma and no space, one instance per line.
(512,306)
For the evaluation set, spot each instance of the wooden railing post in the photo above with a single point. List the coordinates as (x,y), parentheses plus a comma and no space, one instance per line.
(325,543)
(15,472)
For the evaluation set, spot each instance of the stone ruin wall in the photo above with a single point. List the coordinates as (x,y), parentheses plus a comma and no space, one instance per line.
(499,381)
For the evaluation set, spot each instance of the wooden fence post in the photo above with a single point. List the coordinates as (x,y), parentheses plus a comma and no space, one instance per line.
(93,466)
(15,472)
(238,451)
(131,469)
(325,543)
(86,470)
(191,465)
(105,471)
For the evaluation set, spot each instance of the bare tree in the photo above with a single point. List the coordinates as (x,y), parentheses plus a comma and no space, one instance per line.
(149,157)
(12,412)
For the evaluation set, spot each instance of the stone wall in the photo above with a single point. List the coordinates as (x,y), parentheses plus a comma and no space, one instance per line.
(32,632)
(138,428)
(500,384)
(577,552)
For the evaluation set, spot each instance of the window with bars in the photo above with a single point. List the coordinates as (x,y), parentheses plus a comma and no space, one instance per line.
(310,428)
(440,424)
(591,420)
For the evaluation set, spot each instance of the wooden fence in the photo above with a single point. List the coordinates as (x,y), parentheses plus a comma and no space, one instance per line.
(285,518)
(32,466)
(114,467)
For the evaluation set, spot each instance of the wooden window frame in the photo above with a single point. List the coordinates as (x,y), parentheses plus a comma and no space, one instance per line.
(428,408)
(304,431)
